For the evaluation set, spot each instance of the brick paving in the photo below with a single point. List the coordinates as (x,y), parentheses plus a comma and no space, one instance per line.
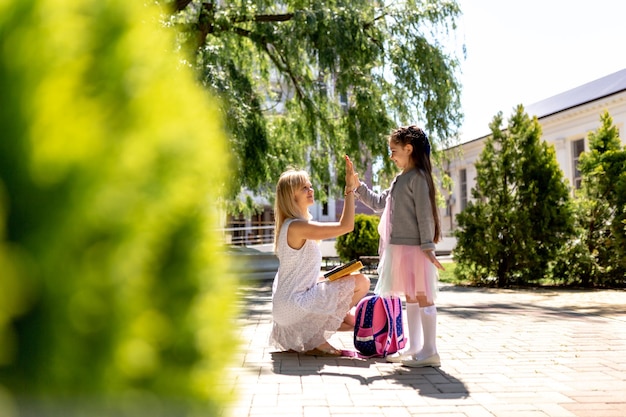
(504,353)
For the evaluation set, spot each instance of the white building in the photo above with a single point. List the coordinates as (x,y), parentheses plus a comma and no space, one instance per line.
(566,120)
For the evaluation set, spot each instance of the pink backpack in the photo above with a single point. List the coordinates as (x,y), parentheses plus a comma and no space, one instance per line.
(378,330)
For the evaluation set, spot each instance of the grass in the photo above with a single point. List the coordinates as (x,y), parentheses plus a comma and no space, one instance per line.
(447,276)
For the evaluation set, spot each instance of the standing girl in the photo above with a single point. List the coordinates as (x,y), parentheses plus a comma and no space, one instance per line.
(409,228)
(306,310)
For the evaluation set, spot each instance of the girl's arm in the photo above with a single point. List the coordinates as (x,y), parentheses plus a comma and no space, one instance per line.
(430,254)
(423,211)
(371,199)
(425,220)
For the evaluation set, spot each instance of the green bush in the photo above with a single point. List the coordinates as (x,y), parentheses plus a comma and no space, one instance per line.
(362,241)
(574,265)
(112,301)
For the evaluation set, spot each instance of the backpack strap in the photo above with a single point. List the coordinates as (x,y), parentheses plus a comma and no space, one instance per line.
(365,303)
(398,325)
(393,309)
(391,325)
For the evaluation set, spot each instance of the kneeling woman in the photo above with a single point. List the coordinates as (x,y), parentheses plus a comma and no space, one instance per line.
(307,310)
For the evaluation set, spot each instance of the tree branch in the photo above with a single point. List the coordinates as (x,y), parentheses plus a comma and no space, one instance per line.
(266,18)
(205,23)
(179,5)
(284,66)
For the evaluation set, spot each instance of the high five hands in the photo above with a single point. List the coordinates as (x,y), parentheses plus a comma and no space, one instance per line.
(352,182)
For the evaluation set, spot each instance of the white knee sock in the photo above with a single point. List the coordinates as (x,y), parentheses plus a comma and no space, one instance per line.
(429,324)
(414,325)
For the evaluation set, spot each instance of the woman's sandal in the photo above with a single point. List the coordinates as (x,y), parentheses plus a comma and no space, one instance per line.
(324,353)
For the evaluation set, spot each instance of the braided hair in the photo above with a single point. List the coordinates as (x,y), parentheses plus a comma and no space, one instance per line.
(416,137)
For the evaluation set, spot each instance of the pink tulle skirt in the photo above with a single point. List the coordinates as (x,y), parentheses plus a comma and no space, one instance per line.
(405,270)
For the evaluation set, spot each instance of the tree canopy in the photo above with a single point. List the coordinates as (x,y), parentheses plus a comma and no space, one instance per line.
(304,82)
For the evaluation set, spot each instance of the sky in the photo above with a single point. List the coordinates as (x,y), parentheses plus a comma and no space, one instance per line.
(521,52)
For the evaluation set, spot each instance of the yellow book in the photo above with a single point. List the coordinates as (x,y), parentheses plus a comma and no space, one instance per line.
(343,270)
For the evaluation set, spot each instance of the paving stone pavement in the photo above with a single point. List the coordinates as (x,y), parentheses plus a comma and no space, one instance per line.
(504,353)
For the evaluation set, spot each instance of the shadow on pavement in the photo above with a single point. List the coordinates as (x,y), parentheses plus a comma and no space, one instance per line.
(427,381)
(483,311)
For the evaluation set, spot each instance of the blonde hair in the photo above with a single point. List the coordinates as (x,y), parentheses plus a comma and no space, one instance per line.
(285,203)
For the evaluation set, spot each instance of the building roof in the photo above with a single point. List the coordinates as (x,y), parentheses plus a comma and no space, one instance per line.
(594,90)
(586,93)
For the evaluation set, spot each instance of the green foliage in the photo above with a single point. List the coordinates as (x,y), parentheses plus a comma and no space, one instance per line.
(362,241)
(112,301)
(283,69)
(574,265)
(598,256)
(521,212)
(447,275)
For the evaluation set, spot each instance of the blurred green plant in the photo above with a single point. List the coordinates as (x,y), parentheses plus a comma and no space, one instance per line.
(112,161)
(362,241)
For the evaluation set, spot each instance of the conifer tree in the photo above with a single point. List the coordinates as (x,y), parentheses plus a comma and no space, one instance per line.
(601,213)
(520,214)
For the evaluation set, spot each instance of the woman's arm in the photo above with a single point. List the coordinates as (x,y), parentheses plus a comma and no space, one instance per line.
(301,230)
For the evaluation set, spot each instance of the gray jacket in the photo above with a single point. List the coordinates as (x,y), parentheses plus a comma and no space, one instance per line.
(412,221)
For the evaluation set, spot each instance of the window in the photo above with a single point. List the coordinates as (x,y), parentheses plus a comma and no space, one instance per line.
(463,185)
(343,101)
(578,147)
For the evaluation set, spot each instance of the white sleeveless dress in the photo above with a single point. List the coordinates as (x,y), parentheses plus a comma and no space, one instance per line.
(305,311)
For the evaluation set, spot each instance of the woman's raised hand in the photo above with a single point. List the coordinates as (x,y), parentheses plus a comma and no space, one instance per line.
(352,178)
